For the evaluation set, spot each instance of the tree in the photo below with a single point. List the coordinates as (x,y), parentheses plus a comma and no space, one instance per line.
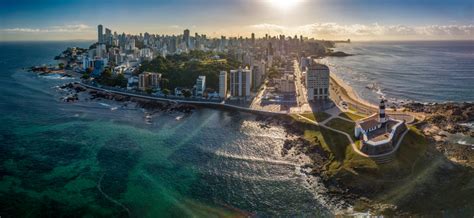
(166,92)
(61,66)
(85,76)
(120,80)
(187,93)
(149,91)
(164,83)
(106,78)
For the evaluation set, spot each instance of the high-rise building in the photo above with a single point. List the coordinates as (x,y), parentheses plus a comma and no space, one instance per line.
(200,85)
(240,82)
(257,76)
(149,80)
(253,38)
(100,33)
(101,50)
(317,82)
(186,37)
(108,37)
(223,84)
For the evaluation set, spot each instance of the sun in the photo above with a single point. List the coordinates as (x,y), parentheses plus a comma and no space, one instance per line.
(284,4)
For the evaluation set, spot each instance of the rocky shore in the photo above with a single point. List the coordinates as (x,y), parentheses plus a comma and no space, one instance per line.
(337,54)
(74,90)
(444,120)
(448,116)
(337,197)
(384,189)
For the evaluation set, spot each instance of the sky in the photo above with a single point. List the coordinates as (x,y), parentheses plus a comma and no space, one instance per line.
(320,19)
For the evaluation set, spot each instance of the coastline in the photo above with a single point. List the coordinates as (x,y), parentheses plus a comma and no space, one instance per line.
(337,196)
(335,193)
(349,92)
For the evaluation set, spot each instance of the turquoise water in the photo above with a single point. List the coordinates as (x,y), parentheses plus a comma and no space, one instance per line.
(88,158)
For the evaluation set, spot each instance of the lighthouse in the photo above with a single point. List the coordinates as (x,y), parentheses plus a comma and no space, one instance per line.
(382,116)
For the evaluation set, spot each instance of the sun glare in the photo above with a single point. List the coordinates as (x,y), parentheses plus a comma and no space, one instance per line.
(284,4)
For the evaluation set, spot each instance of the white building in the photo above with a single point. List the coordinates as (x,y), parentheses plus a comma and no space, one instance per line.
(379,133)
(286,83)
(149,80)
(132,82)
(101,50)
(146,54)
(304,63)
(200,85)
(240,82)
(317,82)
(223,84)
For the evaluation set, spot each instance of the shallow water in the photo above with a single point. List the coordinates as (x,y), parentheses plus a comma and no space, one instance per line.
(102,159)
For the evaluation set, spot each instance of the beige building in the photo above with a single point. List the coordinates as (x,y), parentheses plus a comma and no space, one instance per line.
(286,83)
(317,82)
(240,82)
(223,84)
(148,80)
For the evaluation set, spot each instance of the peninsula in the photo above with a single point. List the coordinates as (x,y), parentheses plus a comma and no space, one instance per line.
(368,156)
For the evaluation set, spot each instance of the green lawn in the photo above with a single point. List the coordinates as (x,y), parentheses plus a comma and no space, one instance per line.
(317,116)
(351,116)
(412,147)
(343,125)
(333,142)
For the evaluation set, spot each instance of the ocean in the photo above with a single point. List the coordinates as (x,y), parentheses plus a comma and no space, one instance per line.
(100,159)
(97,158)
(423,71)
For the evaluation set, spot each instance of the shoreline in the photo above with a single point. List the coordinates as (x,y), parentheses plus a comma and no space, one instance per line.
(349,91)
(336,196)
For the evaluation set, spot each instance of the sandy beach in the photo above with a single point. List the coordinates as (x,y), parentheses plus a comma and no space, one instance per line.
(340,91)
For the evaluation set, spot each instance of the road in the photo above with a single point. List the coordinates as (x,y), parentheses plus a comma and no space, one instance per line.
(301,96)
(204,103)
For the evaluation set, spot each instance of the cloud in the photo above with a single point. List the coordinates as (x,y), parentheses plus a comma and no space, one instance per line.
(269,27)
(372,30)
(74,28)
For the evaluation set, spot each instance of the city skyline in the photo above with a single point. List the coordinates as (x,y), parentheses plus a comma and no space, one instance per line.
(332,20)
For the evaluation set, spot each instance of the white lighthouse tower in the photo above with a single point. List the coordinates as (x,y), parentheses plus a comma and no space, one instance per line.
(382,116)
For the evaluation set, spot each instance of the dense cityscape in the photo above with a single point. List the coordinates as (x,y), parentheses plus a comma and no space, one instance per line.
(236,108)
(232,68)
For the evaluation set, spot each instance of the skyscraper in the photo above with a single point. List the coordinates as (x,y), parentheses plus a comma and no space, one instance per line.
(240,82)
(223,84)
(253,38)
(317,82)
(108,36)
(100,34)
(186,37)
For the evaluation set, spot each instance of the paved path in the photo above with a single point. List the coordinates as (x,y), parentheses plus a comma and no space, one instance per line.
(354,146)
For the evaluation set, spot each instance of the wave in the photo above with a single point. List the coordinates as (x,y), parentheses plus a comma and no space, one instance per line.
(105,105)
(56,76)
(415,71)
(254,159)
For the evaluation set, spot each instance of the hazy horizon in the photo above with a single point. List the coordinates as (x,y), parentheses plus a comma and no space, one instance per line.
(359,20)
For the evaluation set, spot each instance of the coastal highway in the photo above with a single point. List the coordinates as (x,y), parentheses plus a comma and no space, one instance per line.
(301,96)
(202,103)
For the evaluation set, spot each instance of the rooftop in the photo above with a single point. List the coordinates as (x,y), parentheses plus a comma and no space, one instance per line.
(382,133)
